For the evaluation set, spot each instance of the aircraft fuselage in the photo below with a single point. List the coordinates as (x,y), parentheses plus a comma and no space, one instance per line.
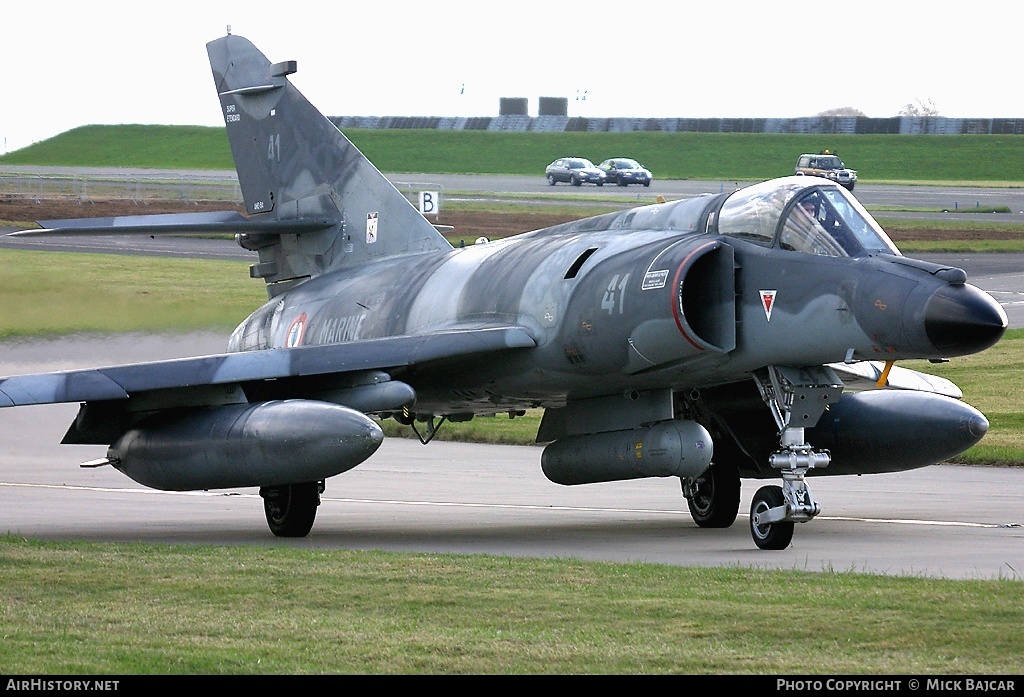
(653,308)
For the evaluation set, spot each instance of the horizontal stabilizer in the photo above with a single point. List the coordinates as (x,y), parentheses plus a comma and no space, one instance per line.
(219,222)
(255,89)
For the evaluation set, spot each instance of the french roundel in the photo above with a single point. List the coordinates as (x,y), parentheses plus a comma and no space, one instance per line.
(296,332)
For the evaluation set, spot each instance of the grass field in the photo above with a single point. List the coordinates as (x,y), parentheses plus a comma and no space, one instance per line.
(738,156)
(103,609)
(55,293)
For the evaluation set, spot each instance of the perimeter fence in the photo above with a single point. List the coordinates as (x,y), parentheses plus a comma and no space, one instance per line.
(86,187)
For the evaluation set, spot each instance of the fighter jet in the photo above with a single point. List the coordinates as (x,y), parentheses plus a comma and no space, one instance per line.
(749,334)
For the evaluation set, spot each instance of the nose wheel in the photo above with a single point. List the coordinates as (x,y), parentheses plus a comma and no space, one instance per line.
(767,534)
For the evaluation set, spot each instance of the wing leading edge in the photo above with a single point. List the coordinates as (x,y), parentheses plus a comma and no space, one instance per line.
(121,382)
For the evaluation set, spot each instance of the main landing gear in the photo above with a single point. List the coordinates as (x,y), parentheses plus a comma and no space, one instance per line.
(797,398)
(714,497)
(291,508)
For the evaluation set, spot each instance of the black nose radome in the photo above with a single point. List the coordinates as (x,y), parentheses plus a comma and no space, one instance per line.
(962,319)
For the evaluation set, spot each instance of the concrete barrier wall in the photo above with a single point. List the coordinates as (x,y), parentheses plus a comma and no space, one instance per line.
(813,125)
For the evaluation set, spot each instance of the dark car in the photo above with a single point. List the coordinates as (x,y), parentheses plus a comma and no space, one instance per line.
(624,171)
(574,170)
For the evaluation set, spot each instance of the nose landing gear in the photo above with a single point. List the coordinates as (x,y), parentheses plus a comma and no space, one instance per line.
(797,398)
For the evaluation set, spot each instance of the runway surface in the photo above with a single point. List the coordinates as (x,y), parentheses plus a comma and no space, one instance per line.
(941,521)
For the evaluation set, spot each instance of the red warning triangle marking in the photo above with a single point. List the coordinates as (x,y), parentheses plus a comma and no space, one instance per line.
(768,302)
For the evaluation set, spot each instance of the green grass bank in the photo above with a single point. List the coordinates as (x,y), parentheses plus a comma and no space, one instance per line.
(963,159)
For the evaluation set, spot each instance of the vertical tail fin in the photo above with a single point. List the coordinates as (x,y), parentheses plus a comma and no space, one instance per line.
(294,163)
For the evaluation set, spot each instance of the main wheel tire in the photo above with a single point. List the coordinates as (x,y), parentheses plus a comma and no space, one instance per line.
(291,509)
(576,181)
(551,180)
(715,502)
(771,535)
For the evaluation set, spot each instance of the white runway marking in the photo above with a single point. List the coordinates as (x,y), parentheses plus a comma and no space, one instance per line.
(500,506)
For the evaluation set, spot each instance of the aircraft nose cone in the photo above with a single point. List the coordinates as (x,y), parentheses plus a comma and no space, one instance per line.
(962,319)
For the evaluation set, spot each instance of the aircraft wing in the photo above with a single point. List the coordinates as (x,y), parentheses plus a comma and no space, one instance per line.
(864,375)
(119,382)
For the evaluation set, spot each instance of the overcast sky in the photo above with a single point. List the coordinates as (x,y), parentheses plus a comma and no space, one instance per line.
(72,64)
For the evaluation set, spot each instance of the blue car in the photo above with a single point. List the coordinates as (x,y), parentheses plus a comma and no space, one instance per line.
(624,171)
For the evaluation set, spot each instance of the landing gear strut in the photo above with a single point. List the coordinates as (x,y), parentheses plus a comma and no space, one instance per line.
(291,509)
(797,398)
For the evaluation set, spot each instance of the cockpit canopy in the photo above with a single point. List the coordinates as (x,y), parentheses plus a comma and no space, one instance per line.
(815,218)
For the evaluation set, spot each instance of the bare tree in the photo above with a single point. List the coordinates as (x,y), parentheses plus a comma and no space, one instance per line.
(922,108)
(842,111)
